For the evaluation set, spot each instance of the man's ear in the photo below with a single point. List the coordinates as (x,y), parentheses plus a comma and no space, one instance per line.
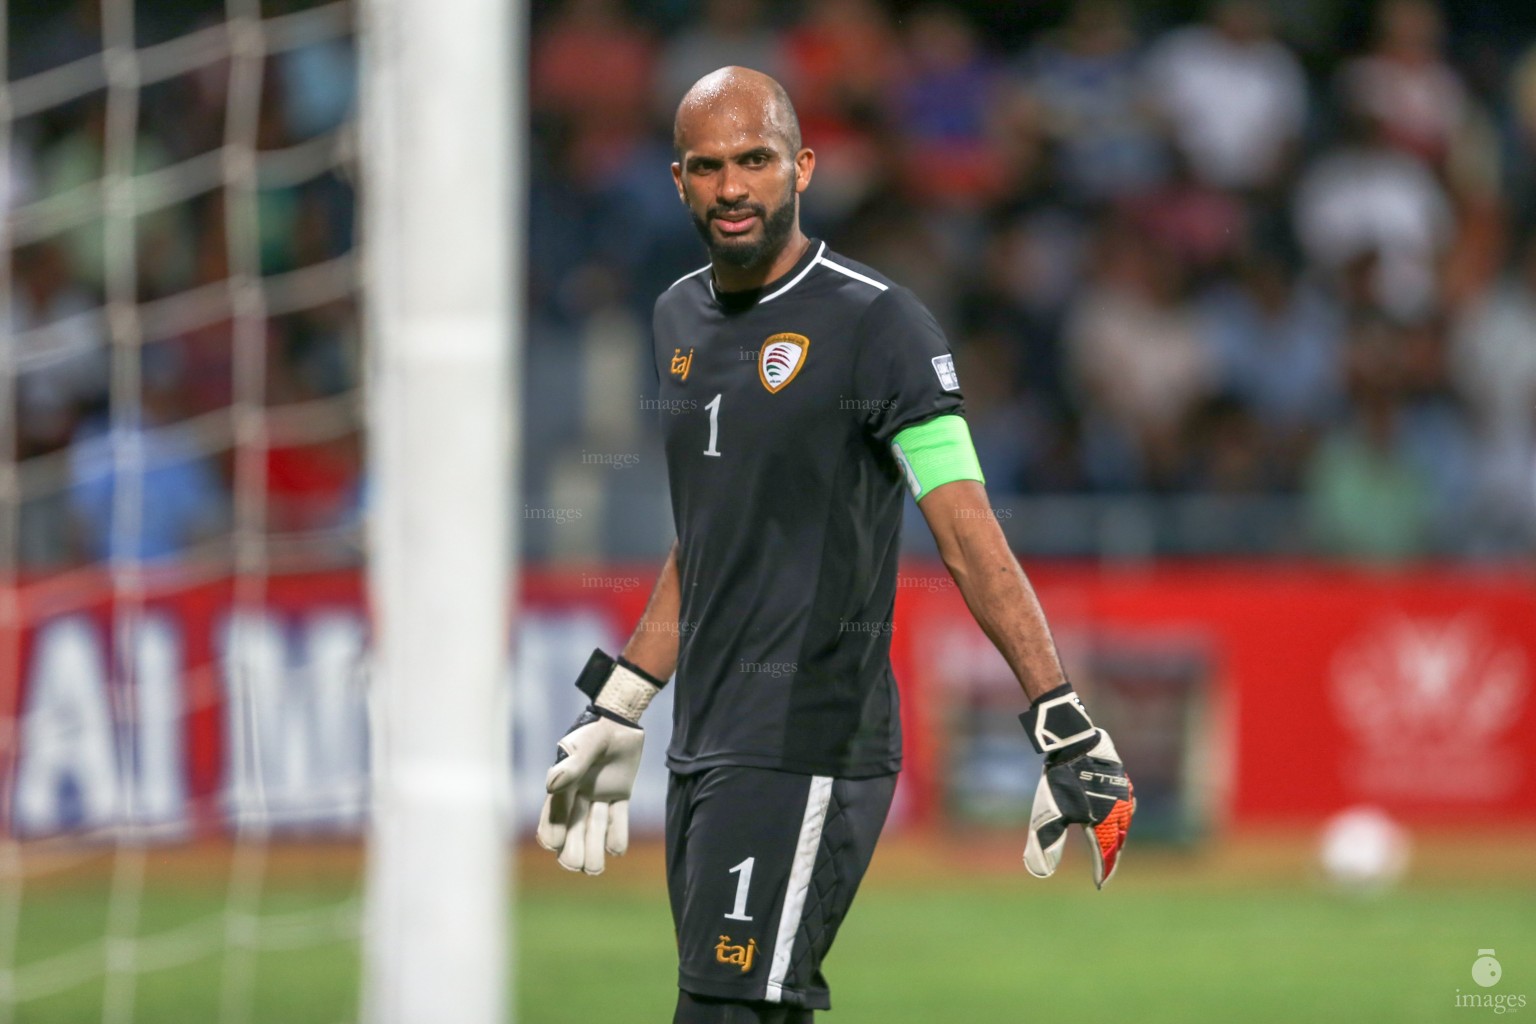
(805,165)
(677,179)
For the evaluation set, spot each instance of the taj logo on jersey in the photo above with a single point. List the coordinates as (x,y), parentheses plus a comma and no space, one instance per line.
(780,359)
(681,364)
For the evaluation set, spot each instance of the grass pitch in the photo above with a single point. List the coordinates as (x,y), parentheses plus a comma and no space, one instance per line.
(942,932)
(960,935)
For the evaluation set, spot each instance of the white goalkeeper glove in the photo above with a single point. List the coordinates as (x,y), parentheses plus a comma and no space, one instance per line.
(587,810)
(1083,783)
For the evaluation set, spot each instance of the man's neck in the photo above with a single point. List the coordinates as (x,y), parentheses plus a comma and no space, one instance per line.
(744,279)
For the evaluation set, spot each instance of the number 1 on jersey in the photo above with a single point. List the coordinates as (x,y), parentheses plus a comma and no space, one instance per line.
(714,428)
(743,883)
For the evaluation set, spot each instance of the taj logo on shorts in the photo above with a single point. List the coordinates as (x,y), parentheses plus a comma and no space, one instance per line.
(741,956)
(780,359)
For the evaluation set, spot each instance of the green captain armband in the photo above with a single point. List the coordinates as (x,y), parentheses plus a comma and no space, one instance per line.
(936,452)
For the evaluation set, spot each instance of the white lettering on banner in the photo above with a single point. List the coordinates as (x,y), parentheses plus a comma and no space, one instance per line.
(159,753)
(67,775)
(1431,704)
(294,742)
(296,720)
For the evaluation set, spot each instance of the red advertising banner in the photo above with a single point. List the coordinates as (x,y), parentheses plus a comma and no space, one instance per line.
(1328,688)
(1254,694)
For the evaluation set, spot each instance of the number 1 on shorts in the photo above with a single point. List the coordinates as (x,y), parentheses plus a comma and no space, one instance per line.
(743,883)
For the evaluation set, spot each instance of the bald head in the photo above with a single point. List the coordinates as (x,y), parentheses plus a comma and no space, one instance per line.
(747,99)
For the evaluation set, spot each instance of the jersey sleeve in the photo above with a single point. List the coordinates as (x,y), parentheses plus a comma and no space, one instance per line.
(656,341)
(905,373)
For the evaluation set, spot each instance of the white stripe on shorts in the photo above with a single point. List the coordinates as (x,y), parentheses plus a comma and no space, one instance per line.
(799,883)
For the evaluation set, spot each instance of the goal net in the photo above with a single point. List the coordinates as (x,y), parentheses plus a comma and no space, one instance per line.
(194,736)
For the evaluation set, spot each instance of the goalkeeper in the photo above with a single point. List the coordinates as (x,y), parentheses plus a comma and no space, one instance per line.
(805,392)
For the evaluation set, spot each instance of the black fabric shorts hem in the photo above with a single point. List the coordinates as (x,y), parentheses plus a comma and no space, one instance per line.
(752,992)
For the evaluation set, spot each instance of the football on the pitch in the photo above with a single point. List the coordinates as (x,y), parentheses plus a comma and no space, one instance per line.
(1364,849)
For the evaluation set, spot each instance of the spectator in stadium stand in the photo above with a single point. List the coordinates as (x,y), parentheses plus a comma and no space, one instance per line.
(59,349)
(57,337)
(1018,293)
(1435,432)
(1087,76)
(1278,347)
(726,32)
(1226,454)
(1235,97)
(1405,85)
(1203,227)
(1493,363)
(839,63)
(1520,160)
(946,104)
(181,500)
(591,80)
(1135,355)
(1367,497)
(164,237)
(1367,196)
(319,86)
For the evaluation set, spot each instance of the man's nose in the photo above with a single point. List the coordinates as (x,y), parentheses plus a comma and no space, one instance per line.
(733,185)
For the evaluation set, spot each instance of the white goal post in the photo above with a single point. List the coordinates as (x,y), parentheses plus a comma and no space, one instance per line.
(442,117)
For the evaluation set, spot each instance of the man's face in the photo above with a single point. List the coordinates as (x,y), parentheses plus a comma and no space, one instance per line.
(741,183)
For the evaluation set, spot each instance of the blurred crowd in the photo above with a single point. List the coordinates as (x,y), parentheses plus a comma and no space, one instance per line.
(1214,257)
(105,471)
(1183,258)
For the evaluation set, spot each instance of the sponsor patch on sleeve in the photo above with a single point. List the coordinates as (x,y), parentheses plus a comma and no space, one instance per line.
(944,366)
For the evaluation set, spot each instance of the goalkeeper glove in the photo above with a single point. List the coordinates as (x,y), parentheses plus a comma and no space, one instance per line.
(1083,783)
(587,810)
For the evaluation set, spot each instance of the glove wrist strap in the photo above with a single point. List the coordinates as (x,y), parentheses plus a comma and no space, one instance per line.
(617,686)
(1057,720)
(627,693)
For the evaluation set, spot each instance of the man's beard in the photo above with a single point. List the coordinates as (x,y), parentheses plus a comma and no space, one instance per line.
(744,255)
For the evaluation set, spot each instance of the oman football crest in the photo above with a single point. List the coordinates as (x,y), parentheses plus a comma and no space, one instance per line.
(780,359)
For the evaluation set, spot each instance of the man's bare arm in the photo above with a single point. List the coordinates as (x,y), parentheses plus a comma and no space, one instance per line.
(994,587)
(653,645)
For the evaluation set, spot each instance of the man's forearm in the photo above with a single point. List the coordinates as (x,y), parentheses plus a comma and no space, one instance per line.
(994,587)
(653,645)
(1005,607)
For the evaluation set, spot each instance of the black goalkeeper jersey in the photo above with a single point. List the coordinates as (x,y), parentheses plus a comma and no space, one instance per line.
(778,409)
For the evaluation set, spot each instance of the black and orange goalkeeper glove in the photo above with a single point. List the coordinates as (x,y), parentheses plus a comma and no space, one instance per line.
(1083,783)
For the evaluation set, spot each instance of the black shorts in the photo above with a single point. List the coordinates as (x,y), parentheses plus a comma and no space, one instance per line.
(762,866)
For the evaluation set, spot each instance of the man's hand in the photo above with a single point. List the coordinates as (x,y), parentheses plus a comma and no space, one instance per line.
(587,811)
(1083,783)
